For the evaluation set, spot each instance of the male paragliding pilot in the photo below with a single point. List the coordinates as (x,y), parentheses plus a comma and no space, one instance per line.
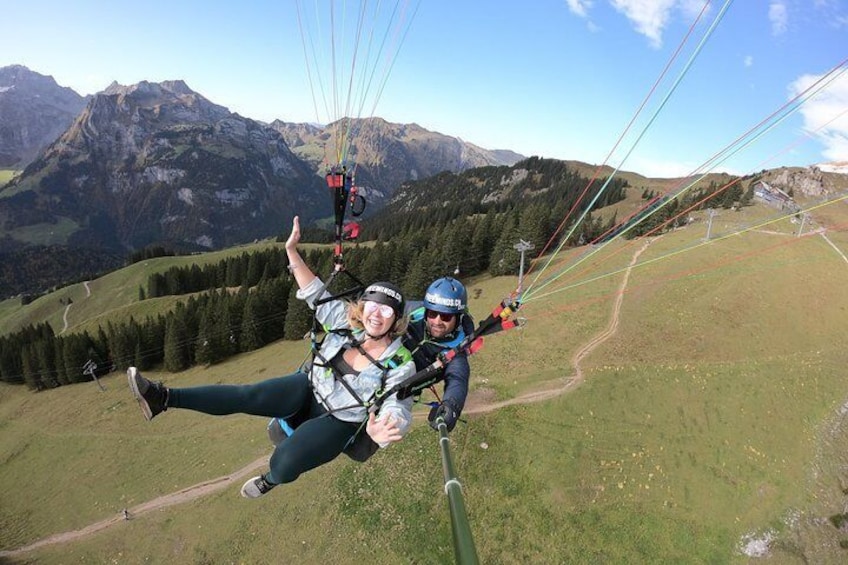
(441,323)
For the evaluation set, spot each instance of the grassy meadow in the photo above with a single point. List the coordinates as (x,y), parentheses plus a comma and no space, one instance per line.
(6,175)
(113,296)
(713,419)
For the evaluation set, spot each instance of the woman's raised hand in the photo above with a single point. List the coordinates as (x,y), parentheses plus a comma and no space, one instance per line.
(294,236)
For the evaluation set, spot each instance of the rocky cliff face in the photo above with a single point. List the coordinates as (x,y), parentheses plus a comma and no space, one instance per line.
(813,182)
(386,154)
(157,162)
(34,111)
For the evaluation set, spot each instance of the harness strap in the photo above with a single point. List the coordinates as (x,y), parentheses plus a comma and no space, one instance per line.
(392,363)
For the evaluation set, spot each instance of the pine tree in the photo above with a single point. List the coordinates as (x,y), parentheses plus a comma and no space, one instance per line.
(481,244)
(376,265)
(121,346)
(504,259)
(177,356)
(29,362)
(274,301)
(298,317)
(254,270)
(251,331)
(533,225)
(204,353)
(45,353)
(420,273)
(225,333)
(155,285)
(59,359)
(748,197)
(76,356)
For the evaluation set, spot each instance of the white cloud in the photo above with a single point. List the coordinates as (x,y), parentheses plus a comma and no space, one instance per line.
(748,61)
(779,17)
(691,8)
(825,115)
(832,12)
(649,16)
(579,7)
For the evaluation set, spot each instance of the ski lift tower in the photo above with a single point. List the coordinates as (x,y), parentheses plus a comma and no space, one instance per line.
(521,247)
(88,369)
(711,213)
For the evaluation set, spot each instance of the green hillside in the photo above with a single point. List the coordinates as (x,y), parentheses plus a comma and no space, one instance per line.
(6,175)
(112,297)
(712,416)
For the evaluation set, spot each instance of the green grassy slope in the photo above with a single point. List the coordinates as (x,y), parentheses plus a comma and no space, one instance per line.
(712,414)
(113,296)
(6,175)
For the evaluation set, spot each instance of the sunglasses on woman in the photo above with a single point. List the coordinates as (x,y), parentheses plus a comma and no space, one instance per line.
(370,307)
(432,315)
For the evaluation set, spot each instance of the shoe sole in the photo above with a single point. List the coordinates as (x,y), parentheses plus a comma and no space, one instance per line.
(250,485)
(244,491)
(132,372)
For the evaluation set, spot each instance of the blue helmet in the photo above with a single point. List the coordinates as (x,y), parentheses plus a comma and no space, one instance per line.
(446,295)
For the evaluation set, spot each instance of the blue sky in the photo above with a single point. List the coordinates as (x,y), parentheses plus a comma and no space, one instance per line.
(556,78)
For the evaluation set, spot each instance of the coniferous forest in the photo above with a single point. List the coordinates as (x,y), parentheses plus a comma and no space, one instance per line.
(247,301)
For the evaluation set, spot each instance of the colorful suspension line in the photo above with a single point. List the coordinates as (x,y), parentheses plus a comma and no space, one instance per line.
(621,136)
(652,119)
(660,202)
(841,198)
(357,55)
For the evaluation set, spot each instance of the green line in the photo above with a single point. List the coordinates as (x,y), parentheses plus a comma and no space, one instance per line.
(690,248)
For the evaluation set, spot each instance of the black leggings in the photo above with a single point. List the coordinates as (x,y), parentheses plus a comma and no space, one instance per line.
(318,440)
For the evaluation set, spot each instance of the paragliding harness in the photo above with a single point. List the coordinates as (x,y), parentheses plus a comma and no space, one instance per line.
(344,194)
(423,346)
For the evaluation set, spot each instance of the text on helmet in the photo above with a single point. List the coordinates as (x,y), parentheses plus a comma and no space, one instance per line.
(442,301)
(387,291)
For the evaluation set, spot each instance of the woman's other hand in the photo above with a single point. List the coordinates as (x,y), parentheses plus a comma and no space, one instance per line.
(383,431)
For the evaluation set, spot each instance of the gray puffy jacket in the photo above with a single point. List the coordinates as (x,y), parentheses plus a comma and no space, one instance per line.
(331,393)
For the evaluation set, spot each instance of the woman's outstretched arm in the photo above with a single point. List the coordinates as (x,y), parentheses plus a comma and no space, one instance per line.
(303,275)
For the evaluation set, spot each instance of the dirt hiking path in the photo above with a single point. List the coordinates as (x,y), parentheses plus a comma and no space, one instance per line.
(476,404)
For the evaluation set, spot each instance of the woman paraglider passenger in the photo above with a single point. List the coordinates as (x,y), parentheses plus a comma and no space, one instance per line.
(361,354)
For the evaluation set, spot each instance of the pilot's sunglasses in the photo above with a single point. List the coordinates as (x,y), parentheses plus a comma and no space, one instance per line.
(432,314)
(385,310)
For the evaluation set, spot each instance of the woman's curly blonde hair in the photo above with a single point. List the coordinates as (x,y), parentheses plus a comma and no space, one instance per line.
(354,318)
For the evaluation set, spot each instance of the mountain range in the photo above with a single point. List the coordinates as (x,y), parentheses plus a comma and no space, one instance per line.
(387,154)
(158,163)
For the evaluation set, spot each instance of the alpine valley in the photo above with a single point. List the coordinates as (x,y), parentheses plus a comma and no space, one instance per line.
(159,164)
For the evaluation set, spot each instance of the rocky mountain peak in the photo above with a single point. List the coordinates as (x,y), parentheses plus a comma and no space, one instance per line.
(815,181)
(388,154)
(157,162)
(34,111)
(146,88)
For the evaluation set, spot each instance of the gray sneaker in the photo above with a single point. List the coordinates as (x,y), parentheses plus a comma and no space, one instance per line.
(152,397)
(256,487)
